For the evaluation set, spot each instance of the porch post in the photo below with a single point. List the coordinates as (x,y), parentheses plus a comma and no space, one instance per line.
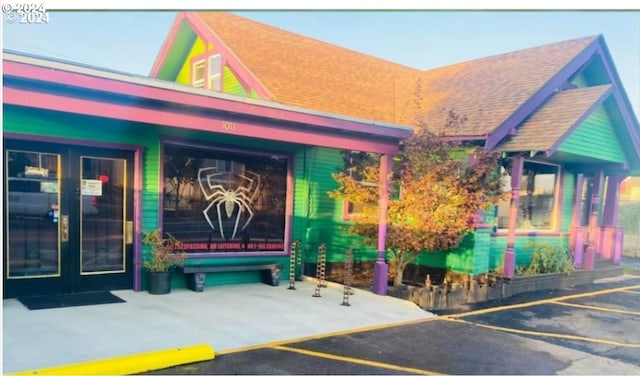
(611,234)
(610,215)
(593,231)
(577,232)
(381,269)
(516,180)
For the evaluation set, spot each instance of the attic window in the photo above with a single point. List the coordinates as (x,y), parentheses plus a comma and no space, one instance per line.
(197,78)
(214,77)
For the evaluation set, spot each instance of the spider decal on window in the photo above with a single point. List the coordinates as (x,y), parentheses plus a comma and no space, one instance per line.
(232,195)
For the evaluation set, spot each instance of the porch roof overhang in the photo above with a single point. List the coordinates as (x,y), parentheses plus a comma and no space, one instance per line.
(542,134)
(54,85)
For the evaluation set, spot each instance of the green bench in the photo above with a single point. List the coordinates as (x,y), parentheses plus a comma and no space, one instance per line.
(196,275)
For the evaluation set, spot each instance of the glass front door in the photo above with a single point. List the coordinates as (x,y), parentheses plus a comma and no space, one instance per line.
(68,219)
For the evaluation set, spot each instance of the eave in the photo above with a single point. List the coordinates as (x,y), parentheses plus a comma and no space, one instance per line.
(50,85)
(541,96)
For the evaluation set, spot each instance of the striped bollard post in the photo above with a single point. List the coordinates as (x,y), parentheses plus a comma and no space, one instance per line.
(348,271)
(298,267)
(323,265)
(293,257)
(320,265)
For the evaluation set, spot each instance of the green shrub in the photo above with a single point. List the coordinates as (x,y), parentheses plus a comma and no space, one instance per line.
(547,258)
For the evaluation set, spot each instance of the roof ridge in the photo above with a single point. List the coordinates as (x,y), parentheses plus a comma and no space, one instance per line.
(308,38)
(590,38)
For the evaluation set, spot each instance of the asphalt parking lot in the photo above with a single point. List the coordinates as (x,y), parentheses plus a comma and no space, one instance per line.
(589,330)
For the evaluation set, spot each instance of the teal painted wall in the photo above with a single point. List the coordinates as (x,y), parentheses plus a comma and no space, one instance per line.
(580,80)
(523,256)
(317,218)
(595,138)
(568,198)
(83,129)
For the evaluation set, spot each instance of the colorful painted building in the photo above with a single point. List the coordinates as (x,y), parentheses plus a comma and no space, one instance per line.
(229,145)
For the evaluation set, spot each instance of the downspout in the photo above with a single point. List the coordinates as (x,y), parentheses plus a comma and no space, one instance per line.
(517,164)
(381,269)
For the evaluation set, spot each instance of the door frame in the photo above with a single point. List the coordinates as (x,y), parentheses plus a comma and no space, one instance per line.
(136,189)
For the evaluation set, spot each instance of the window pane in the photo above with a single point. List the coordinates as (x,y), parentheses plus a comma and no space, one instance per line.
(215,73)
(103,215)
(32,205)
(220,201)
(537,198)
(198,74)
(215,65)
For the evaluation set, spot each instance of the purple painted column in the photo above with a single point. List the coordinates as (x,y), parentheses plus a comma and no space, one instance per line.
(617,250)
(578,247)
(381,269)
(610,215)
(516,179)
(610,243)
(592,234)
(576,236)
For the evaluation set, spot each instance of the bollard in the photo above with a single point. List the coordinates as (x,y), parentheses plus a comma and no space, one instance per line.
(348,271)
(320,265)
(322,251)
(299,265)
(293,257)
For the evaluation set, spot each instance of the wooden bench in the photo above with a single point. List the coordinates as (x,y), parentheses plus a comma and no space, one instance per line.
(196,275)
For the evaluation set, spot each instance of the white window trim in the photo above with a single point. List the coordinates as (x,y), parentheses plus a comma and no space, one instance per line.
(556,217)
(198,82)
(215,76)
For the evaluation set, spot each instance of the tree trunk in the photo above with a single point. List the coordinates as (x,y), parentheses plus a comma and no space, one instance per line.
(397,280)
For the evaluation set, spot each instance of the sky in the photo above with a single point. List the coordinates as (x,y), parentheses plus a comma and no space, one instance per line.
(129,41)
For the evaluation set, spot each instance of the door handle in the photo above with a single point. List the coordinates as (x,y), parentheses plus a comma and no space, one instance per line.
(128,235)
(64,228)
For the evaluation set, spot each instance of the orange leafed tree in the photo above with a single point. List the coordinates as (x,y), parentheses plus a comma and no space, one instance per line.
(439,189)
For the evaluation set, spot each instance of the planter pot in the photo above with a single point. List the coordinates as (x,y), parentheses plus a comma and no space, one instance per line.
(159,283)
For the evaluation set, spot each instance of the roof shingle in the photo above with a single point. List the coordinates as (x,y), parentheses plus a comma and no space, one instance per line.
(553,120)
(309,73)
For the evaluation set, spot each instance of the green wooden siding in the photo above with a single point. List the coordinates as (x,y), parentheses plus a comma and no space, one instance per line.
(523,256)
(184,75)
(322,221)
(595,138)
(568,199)
(230,82)
(580,81)
(317,217)
(84,129)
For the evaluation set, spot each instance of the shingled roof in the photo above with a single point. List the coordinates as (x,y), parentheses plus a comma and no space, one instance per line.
(302,71)
(563,111)
(487,91)
(497,97)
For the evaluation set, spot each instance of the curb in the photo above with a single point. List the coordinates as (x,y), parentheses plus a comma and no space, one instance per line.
(130,364)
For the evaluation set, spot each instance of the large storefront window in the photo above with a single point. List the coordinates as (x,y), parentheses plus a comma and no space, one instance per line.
(537,198)
(221,201)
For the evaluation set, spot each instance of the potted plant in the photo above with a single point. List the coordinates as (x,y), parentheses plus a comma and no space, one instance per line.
(165,256)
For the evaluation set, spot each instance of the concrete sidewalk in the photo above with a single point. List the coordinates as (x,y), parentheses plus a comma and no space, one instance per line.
(226,317)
